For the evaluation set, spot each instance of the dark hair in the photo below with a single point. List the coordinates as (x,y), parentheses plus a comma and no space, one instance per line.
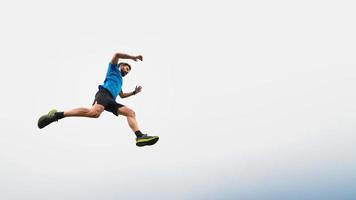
(124,64)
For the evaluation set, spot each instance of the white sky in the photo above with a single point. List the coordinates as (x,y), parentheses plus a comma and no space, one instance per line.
(251,100)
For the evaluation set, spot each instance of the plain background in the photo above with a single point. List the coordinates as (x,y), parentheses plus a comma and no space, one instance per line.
(251,100)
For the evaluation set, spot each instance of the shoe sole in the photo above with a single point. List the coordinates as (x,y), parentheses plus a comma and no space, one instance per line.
(148,142)
(40,123)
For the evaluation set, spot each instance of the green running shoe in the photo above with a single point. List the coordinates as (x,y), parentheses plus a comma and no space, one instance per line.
(146,140)
(44,120)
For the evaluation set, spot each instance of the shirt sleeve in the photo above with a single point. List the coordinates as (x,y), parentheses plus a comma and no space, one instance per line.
(112,65)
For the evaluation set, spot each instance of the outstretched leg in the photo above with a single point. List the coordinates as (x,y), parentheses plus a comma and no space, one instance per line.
(53,115)
(141,139)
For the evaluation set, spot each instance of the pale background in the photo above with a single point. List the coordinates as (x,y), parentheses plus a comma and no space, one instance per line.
(251,100)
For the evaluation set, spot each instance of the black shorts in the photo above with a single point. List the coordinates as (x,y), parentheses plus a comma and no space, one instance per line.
(104,98)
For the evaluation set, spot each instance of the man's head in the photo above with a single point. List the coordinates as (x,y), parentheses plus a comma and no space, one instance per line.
(125,68)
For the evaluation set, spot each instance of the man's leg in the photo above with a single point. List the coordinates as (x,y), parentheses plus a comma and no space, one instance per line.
(141,139)
(53,115)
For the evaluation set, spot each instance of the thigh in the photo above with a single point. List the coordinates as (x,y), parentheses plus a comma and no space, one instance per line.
(125,111)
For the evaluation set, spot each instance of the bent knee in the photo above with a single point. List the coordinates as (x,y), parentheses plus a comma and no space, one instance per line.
(131,113)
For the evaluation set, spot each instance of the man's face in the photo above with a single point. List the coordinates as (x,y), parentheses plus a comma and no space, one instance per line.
(125,70)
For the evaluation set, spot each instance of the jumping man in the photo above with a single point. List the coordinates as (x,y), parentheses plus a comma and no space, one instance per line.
(105,99)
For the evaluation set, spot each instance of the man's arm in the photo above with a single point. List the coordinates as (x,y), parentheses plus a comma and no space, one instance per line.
(137,90)
(117,56)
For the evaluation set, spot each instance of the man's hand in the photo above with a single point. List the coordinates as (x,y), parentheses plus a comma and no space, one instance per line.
(138,58)
(138,89)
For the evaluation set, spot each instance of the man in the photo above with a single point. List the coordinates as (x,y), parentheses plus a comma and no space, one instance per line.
(105,100)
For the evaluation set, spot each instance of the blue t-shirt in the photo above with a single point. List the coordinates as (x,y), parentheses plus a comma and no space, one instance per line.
(113,80)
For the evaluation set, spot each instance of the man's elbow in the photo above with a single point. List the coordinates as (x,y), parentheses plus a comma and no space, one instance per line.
(121,95)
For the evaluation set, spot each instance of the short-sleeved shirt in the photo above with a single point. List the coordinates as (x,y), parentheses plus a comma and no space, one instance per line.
(113,80)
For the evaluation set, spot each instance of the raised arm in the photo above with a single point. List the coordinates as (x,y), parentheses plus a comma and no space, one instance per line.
(117,56)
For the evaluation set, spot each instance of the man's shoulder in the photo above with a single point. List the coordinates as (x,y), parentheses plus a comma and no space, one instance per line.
(113,67)
(113,64)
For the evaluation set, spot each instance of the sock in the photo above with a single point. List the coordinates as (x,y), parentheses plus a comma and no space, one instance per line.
(138,133)
(59,115)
